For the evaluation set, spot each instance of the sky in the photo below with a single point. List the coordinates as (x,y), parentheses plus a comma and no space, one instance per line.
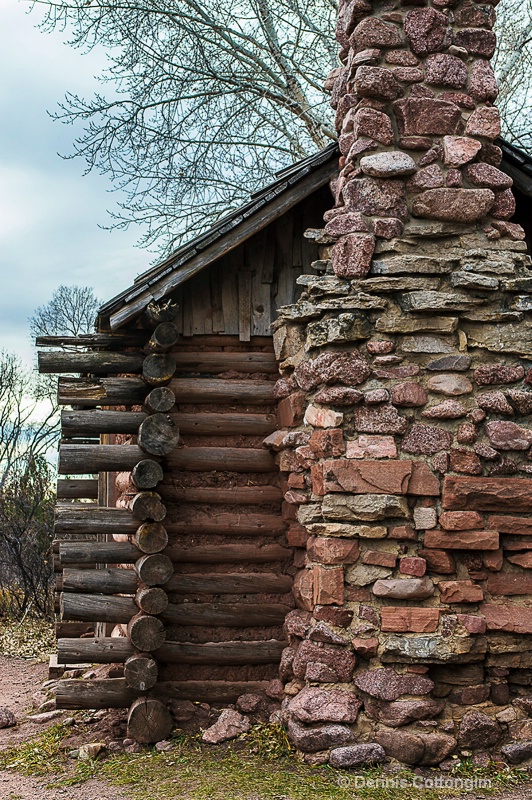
(49,211)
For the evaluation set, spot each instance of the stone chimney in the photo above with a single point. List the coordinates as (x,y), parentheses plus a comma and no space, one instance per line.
(406,441)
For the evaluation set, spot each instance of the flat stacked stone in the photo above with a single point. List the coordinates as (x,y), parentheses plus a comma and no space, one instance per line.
(405,408)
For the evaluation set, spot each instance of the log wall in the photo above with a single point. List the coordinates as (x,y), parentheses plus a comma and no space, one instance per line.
(182,569)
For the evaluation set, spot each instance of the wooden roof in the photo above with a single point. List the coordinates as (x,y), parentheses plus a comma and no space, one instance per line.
(290,187)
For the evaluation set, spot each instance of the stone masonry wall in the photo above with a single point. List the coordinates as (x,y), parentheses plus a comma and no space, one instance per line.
(404,410)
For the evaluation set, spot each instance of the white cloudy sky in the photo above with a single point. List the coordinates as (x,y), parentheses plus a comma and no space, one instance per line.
(49,212)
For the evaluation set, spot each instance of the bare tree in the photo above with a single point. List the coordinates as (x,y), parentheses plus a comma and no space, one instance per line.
(205,100)
(70,311)
(27,431)
(513,68)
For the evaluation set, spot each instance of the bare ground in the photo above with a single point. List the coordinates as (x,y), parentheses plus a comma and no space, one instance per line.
(19,680)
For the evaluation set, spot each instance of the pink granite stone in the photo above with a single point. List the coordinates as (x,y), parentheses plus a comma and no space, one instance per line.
(426,440)
(351,256)
(387,228)
(373,124)
(484,121)
(458,150)
(350,222)
(373,32)
(482,83)
(426,116)
(371,447)
(453,205)
(427,30)
(427,178)
(504,205)
(477,41)
(446,70)
(376,82)
(487,177)
(376,196)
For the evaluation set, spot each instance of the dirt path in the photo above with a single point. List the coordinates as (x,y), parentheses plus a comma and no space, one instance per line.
(19,680)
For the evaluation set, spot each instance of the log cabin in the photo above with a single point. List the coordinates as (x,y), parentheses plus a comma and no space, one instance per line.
(177,534)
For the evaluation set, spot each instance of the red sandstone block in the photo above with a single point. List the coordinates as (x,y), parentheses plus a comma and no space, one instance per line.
(291,409)
(493,560)
(296,481)
(327,443)
(296,535)
(517,543)
(487,494)
(471,623)
(361,477)
(522,560)
(518,526)
(316,475)
(366,648)
(423,481)
(462,540)
(328,586)
(379,558)
(289,461)
(380,477)
(303,589)
(404,532)
(460,592)
(413,566)
(514,619)
(461,520)
(439,561)
(332,550)
(510,583)
(409,620)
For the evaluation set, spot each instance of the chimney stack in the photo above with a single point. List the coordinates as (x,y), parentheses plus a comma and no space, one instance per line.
(406,408)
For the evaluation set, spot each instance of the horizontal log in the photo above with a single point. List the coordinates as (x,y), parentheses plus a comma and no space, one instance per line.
(95,422)
(241,583)
(232,495)
(98,553)
(85,459)
(204,390)
(77,489)
(225,424)
(114,693)
(101,362)
(77,518)
(230,615)
(207,691)
(114,650)
(73,630)
(100,693)
(221,459)
(225,361)
(103,581)
(124,553)
(141,672)
(103,608)
(226,524)
(228,553)
(103,392)
(117,340)
(98,650)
